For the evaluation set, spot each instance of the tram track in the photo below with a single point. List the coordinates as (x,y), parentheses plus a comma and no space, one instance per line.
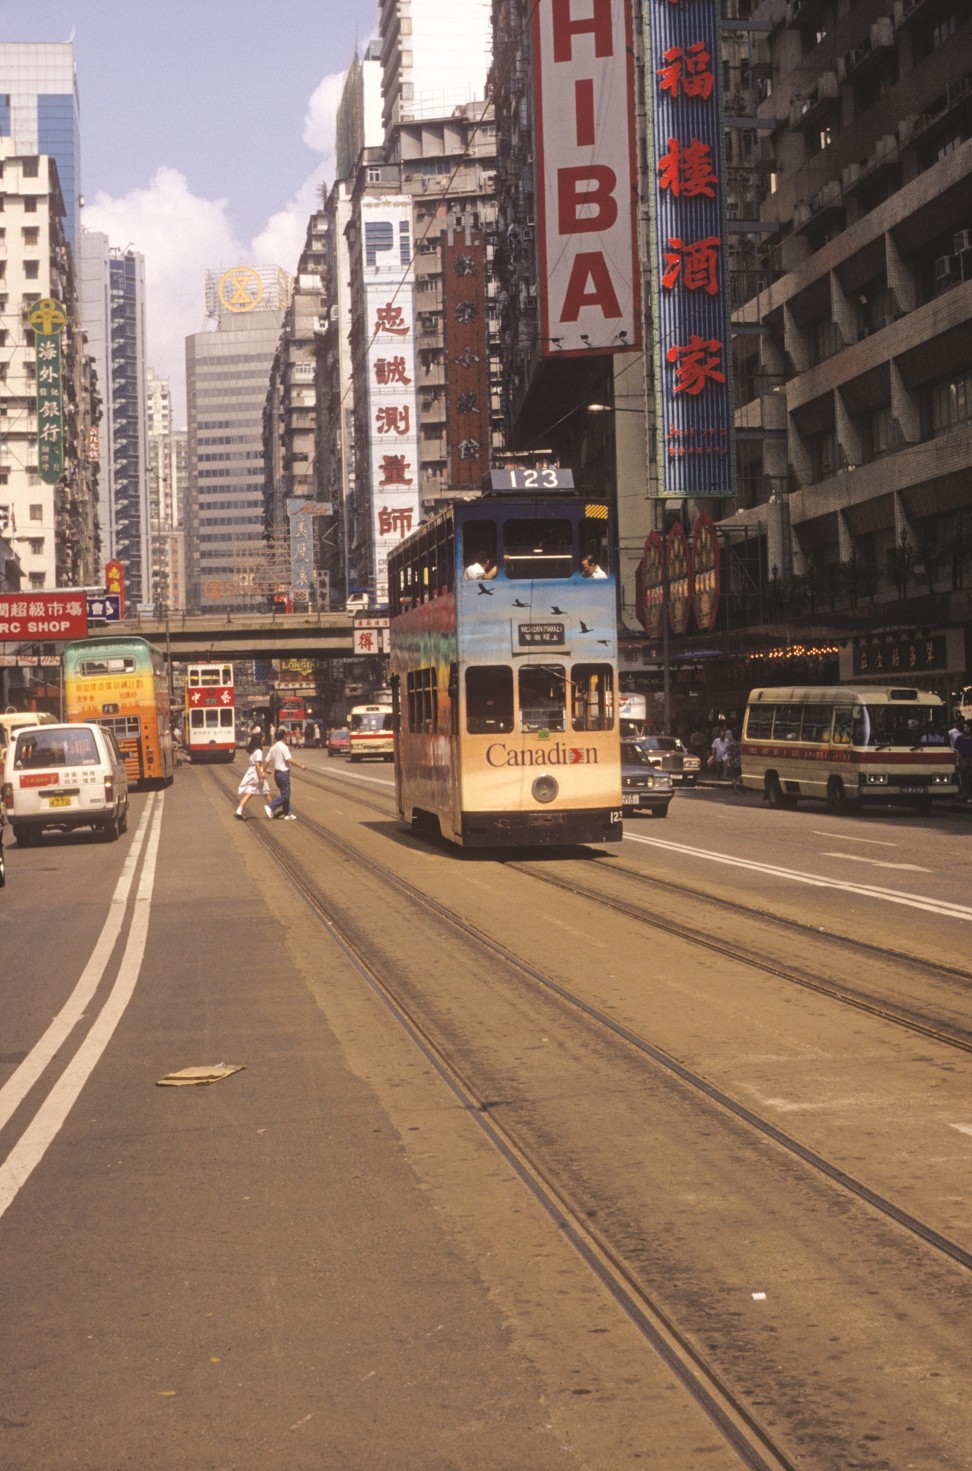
(855,998)
(646,1049)
(607,1251)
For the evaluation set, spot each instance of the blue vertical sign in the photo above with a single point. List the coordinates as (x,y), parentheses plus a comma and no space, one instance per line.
(688,237)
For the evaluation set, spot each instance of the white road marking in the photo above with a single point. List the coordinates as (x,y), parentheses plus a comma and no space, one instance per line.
(963,1128)
(16,1088)
(875,862)
(816,881)
(851,838)
(38,1136)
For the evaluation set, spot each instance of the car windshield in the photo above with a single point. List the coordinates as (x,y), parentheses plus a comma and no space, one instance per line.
(634,754)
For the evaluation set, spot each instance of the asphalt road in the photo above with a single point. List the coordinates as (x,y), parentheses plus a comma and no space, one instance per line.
(318,1262)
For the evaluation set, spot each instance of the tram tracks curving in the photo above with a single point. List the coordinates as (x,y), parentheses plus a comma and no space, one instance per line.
(513,1109)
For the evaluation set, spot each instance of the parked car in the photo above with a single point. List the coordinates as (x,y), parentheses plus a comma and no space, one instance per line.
(64,776)
(667,753)
(339,741)
(644,788)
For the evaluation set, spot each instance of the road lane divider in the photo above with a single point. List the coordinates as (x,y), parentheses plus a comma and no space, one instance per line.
(40,1133)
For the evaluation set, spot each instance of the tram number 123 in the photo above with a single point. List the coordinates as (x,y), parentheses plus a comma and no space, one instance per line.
(521,479)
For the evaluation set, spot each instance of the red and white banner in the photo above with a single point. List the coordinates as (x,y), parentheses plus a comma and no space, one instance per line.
(587,176)
(43,616)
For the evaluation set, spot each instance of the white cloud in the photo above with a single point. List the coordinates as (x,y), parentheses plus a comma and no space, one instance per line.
(182,236)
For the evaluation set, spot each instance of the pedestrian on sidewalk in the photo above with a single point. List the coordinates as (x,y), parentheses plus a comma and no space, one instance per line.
(279,761)
(733,761)
(254,781)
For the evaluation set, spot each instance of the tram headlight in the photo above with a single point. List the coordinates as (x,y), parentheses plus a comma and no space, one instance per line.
(544,789)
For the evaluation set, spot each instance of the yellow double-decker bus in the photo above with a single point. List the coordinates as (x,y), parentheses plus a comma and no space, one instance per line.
(121,683)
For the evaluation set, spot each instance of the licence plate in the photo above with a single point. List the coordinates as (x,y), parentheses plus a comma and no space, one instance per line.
(59,801)
(913,791)
(629,799)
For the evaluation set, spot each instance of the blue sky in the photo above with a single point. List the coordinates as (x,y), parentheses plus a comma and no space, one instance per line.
(206,128)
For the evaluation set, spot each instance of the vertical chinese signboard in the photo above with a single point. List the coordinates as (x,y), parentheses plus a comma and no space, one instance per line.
(689,273)
(586,164)
(467,355)
(391,398)
(48,317)
(115,584)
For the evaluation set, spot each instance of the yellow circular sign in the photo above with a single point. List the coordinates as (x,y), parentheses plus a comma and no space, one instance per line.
(47,316)
(240,289)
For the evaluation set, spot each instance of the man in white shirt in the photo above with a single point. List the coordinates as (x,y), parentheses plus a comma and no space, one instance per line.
(279,761)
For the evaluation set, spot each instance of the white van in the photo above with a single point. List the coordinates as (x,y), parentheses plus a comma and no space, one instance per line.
(64,776)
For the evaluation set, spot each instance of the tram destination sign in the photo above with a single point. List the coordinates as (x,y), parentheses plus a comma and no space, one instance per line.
(521,478)
(540,635)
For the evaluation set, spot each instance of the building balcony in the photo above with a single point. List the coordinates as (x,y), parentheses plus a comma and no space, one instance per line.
(861,59)
(813,110)
(884,156)
(907,12)
(823,205)
(804,12)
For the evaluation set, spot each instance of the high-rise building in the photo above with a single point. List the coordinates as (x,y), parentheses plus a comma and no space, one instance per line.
(434,57)
(51,518)
(227,377)
(165,447)
(857,370)
(40,112)
(113,283)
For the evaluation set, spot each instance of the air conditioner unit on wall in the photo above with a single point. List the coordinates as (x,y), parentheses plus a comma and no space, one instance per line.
(962,242)
(944,268)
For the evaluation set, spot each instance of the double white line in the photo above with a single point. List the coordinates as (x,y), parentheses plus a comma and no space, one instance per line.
(40,1133)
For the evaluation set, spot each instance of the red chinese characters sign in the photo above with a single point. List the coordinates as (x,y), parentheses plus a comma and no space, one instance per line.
(42,617)
(689,275)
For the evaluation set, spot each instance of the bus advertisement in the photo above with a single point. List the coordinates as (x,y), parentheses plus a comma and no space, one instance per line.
(122,683)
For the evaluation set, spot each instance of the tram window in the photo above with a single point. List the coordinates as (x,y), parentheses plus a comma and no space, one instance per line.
(543,689)
(423,700)
(479,549)
(816,723)
(591,697)
(538,548)
(489,699)
(226,718)
(594,541)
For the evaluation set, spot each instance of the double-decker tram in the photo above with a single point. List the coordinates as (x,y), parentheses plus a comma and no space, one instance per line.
(210,733)
(504,672)
(122,683)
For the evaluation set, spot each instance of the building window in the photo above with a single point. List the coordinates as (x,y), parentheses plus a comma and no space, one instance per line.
(951,403)
(878,433)
(38,580)
(36,513)
(31,269)
(30,205)
(824,452)
(36,545)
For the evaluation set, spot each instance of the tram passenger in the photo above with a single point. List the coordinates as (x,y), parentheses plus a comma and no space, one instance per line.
(481,571)
(590,567)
